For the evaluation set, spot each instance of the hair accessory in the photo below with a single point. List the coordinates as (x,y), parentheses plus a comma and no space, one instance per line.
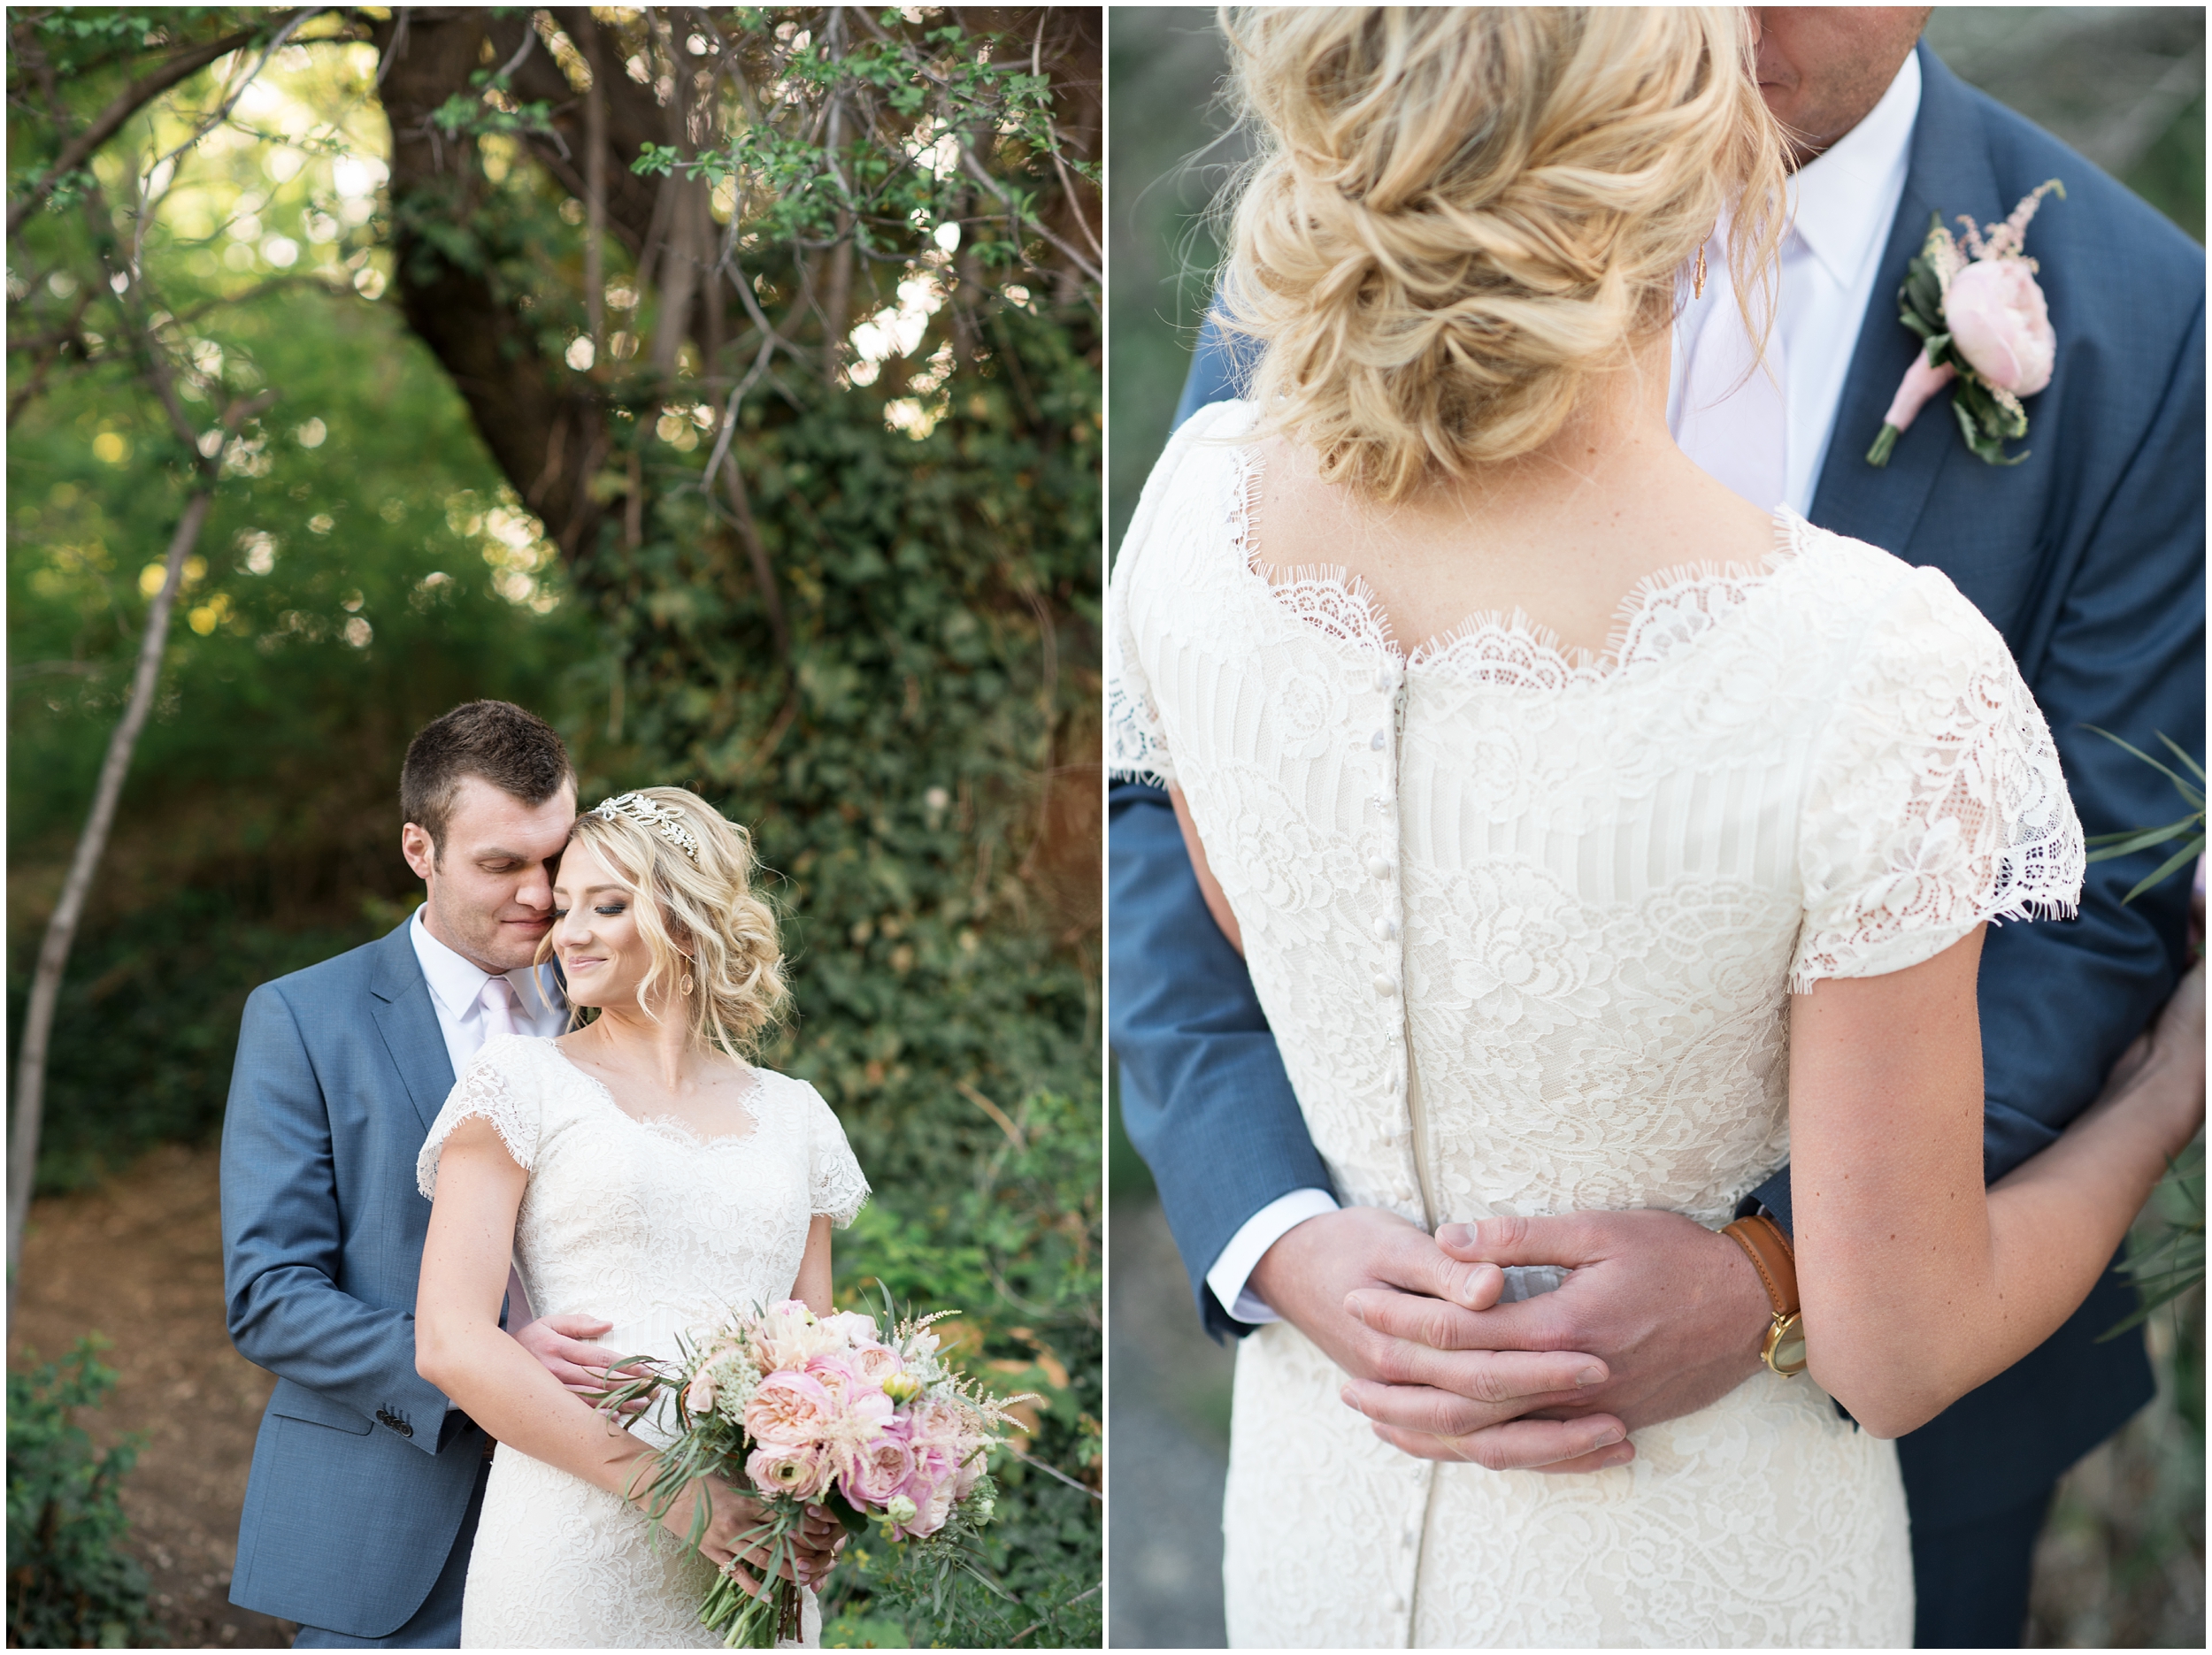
(658,816)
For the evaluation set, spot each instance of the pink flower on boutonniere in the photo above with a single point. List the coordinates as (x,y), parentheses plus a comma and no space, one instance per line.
(1983,324)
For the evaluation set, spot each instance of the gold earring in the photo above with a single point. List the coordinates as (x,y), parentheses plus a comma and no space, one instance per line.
(686,984)
(1697,276)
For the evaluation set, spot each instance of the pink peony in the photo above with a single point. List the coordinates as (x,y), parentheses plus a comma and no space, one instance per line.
(1999,324)
(877,1471)
(803,1469)
(857,1329)
(932,1504)
(790,1408)
(877,1362)
(859,1408)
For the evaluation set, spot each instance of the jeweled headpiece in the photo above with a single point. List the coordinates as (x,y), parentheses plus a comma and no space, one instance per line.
(654,815)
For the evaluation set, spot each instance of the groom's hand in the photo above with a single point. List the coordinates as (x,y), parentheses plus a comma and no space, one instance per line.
(1674,1311)
(1315,1272)
(561,1344)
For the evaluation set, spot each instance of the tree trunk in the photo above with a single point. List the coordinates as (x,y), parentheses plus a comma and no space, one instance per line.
(61,929)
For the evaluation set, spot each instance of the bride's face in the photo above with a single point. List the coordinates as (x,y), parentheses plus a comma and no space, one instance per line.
(595,932)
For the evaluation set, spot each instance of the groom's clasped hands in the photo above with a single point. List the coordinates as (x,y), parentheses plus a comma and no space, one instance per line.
(1657,1317)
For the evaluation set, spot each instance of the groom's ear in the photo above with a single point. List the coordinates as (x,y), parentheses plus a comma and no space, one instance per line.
(419,849)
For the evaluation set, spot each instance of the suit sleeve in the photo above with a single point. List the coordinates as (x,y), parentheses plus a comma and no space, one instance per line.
(2060,1003)
(1203,1093)
(283,1237)
(2125,653)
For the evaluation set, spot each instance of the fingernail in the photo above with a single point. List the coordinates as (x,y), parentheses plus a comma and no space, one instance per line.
(1345,1396)
(1455,1235)
(1608,1439)
(1590,1377)
(1621,1459)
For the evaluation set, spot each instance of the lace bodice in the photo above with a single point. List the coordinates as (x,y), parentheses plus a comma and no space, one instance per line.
(642,1223)
(1525,923)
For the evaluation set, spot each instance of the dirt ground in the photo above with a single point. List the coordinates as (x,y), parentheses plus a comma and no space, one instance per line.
(140,1259)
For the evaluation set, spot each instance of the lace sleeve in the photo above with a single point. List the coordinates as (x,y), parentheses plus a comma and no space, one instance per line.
(1136,744)
(1936,801)
(490,1087)
(836,1188)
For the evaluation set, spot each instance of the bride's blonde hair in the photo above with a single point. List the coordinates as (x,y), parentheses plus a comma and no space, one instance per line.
(690,875)
(1457,216)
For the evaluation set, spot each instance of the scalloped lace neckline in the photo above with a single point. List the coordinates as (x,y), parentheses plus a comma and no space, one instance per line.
(668,1126)
(1660,612)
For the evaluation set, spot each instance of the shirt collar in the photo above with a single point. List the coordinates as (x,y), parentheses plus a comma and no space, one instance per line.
(458,982)
(1845,196)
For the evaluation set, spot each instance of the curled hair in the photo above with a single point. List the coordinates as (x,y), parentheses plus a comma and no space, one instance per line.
(1456,216)
(698,918)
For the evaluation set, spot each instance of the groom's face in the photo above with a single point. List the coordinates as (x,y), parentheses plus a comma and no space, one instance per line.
(491,882)
(1823,69)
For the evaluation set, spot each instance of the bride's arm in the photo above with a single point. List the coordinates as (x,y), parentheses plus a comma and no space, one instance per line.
(812,1288)
(1917,1284)
(460,1347)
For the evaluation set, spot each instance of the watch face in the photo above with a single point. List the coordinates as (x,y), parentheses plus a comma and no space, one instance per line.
(1785,1345)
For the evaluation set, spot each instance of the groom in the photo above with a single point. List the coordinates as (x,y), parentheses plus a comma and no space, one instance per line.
(363,1499)
(2088,557)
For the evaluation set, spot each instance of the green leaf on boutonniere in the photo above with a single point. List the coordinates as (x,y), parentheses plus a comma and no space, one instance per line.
(1985,423)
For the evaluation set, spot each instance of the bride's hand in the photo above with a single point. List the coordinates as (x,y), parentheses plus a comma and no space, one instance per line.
(731,1513)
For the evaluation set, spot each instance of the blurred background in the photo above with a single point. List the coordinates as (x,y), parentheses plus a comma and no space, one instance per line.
(358,340)
(2122,1560)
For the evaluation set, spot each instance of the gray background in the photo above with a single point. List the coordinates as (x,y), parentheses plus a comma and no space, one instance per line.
(2122,1562)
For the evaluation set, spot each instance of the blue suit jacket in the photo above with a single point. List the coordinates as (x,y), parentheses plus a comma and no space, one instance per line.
(361,1477)
(2088,557)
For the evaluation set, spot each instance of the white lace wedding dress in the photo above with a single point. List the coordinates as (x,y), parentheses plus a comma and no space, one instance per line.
(643,1224)
(1526,927)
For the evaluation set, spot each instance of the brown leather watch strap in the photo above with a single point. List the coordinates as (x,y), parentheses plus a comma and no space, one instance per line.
(1772,1255)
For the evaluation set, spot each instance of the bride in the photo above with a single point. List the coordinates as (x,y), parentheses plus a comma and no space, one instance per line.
(1594,839)
(636,1169)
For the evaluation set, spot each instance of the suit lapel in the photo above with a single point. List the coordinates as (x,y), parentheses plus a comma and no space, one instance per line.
(409,1023)
(1949,173)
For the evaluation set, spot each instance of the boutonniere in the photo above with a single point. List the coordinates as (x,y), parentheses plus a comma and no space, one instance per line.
(1983,324)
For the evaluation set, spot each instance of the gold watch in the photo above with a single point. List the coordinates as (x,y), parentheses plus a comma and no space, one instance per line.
(1772,1255)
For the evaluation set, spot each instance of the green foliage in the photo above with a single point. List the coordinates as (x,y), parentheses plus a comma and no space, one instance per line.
(70,1586)
(1016,1242)
(801,189)
(2189,829)
(349,592)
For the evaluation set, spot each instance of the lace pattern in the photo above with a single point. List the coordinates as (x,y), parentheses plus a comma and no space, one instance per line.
(644,1224)
(1525,923)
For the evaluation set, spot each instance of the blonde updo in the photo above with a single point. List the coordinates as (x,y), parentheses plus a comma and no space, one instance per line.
(702,909)
(1457,217)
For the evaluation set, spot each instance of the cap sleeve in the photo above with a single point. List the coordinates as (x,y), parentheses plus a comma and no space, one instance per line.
(493,1086)
(1935,801)
(836,1188)
(1136,742)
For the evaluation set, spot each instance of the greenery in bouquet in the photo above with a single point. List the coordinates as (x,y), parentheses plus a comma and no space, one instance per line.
(828,1411)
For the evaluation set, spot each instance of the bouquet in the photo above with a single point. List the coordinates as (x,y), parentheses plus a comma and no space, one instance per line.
(819,1411)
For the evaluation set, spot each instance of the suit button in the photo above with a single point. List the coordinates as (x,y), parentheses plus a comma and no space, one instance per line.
(402,1427)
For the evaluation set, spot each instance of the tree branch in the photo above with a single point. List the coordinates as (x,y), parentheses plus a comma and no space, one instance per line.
(110,120)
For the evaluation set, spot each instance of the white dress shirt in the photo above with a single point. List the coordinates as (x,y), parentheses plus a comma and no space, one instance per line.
(1843,202)
(456,992)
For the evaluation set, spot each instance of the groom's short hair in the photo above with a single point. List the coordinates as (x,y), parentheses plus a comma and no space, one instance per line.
(514,750)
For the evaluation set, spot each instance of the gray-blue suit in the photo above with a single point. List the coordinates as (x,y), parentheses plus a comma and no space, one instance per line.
(363,1485)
